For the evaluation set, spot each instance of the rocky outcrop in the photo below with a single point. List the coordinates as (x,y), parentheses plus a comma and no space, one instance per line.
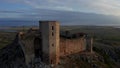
(12,56)
(36,63)
(111,52)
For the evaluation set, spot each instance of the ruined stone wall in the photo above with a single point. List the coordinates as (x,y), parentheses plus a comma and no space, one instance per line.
(29,50)
(89,44)
(28,44)
(71,46)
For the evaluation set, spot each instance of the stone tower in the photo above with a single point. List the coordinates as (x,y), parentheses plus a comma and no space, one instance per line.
(50,41)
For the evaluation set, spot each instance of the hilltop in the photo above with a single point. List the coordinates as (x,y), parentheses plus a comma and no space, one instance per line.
(106,46)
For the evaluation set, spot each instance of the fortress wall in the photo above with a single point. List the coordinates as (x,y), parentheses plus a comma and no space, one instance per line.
(62,46)
(29,50)
(70,46)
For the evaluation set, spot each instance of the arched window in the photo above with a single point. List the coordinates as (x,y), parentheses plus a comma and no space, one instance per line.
(53,45)
(52,27)
(52,34)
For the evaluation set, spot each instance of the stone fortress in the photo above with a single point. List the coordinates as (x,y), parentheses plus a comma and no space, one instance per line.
(49,43)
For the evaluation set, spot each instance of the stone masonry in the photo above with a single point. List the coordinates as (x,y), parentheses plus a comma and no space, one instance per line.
(50,44)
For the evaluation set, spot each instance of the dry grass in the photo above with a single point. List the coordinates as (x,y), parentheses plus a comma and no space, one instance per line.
(6,38)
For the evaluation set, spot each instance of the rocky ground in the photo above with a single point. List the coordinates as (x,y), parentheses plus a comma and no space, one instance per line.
(12,56)
(111,54)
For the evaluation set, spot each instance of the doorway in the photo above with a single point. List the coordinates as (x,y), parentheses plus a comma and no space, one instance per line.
(38,47)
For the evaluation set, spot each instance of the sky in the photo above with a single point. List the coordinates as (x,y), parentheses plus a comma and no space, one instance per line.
(52,9)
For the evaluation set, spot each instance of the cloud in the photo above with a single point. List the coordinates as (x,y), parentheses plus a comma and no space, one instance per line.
(41,10)
(108,7)
(111,7)
(6,11)
(65,17)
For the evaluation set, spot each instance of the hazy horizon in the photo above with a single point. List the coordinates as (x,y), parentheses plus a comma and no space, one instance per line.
(69,12)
